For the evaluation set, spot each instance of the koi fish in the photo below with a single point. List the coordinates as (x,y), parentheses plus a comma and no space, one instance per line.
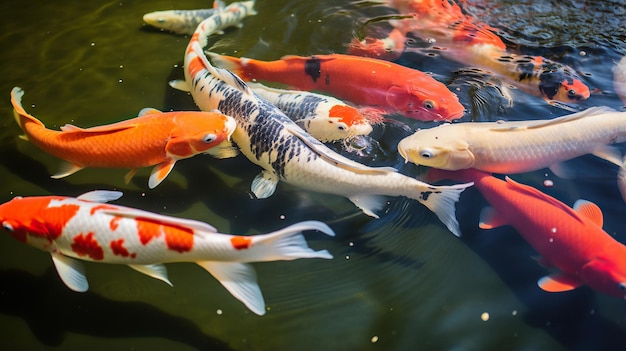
(186,21)
(464,39)
(324,117)
(154,138)
(570,240)
(269,139)
(520,146)
(83,229)
(363,81)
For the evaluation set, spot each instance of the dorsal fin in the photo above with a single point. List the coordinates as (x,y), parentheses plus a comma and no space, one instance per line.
(193,225)
(589,210)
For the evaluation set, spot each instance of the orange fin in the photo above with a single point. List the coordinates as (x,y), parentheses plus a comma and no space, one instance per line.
(148,111)
(159,173)
(558,282)
(130,175)
(489,219)
(69,128)
(590,211)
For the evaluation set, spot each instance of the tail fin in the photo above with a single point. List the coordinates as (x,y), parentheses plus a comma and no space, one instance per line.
(441,200)
(233,64)
(21,116)
(285,244)
(621,179)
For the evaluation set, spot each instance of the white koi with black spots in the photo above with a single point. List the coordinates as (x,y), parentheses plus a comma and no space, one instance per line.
(268,138)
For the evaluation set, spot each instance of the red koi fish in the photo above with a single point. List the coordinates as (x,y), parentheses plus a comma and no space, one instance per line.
(464,39)
(363,81)
(84,229)
(152,139)
(570,240)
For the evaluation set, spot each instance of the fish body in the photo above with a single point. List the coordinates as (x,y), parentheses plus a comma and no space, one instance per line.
(85,229)
(324,117)
(466,40)
(152,139)
(570,240)
(186,21)
(268,138)
(520,146)
(363,81)
(619,79)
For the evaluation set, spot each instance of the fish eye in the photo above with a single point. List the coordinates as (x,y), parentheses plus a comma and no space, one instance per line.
(426,154)
(429,104)
(622,286)
(209,138)
(571,93)
(342,126)
(8,227)
(161,20)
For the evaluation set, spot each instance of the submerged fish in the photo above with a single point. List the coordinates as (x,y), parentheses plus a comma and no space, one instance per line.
(83,229)
(186,21)
(619,79)
(152,139)
(268,138)
(570,240)
(466,40)
(363,81)
(324,117)
(521,146)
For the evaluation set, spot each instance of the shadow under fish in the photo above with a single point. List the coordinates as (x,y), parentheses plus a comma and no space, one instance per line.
(51,311)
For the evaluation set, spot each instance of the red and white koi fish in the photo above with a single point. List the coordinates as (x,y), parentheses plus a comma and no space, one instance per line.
(186,21)
(570,240)
(464,39)
(322,116)
(268,138)
(152,139)
(363,81)
(83,229)
(521,146)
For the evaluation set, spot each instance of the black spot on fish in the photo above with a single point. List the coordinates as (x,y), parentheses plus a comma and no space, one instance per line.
(424,195)
(527,70)
(312,67)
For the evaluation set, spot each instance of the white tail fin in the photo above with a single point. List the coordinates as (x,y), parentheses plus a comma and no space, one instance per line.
(441,200)
(288,243)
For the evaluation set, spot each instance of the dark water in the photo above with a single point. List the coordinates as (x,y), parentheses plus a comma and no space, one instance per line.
(401,282)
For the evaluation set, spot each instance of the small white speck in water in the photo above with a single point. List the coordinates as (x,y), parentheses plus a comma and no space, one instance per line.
(374,339)
(484,316)
(347,257)
(282,216)
(514,313)
(551,240)
(582,53)
(554,230)
(121,66)
(219,311)
(548,183)
(93,44)
(120,81)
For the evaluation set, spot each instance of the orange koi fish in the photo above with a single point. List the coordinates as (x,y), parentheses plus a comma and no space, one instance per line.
(152,139)
(464,39)
(569,240)
(83,229)
(363,81)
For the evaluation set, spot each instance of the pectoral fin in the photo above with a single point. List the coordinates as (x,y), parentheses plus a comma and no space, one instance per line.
(148,111)
(156,271)
(264,184)
(558,282)
(71,272)
(489,219)
(179,84)
(369,204)
(240,280)
(159,172)
(66,168)
(590,211)
(100,196)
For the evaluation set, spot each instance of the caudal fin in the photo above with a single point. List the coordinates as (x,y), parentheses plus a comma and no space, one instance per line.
(441,200)
(233,64)
(286,244)
(21,116)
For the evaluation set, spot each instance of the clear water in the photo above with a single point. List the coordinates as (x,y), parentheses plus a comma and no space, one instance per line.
(401,282)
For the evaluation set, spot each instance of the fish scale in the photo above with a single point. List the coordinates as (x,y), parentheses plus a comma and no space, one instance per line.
(268,138)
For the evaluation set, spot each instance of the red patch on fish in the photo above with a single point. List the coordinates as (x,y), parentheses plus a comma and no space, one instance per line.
(176,238)
(241,242)
(117,246)
(114,223)
(57,218)
(86,245)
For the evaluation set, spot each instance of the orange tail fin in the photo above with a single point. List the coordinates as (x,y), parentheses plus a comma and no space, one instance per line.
(21,116)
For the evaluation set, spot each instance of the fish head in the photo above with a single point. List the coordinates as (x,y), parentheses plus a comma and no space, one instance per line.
(607,275)
(342,121)
(21,218)
(426,102)
(198,132)
(562,85)
(436,148)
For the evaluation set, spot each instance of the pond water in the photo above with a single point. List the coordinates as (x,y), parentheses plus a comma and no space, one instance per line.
(401,282)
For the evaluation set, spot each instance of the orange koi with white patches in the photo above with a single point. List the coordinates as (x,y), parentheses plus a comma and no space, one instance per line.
(75,229)
(152,139)
(465,39)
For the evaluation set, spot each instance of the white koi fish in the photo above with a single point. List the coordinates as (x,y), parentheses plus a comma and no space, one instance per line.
(186,21)
(324,117)
(521,146)
(268,138)
(619,79)
(82,228)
